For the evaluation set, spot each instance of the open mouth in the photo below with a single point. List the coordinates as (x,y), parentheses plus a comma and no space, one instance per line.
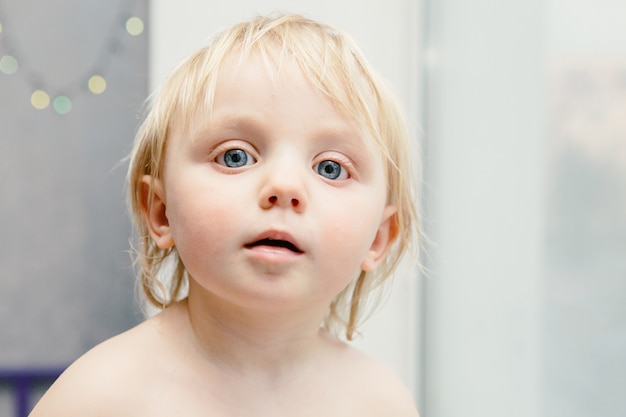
(277,243)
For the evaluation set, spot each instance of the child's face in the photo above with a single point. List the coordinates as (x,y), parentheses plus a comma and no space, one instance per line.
(275,199)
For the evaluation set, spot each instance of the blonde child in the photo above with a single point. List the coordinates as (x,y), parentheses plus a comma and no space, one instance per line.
(272,193)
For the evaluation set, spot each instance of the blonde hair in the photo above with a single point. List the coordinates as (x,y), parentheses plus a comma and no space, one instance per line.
(333,64)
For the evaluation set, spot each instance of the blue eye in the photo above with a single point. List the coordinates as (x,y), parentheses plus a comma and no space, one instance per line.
(331,170)
(235,158)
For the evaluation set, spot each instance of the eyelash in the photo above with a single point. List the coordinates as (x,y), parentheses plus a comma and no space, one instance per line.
(344,173)
(344,164)
(222,151)
(242,156)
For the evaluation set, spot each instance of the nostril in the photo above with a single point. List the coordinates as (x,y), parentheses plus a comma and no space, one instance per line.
(274,200)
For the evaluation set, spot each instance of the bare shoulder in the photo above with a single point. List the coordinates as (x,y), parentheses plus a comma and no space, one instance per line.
(378,389)
(104,380)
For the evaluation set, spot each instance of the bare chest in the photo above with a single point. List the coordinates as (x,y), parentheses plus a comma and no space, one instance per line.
(249,399)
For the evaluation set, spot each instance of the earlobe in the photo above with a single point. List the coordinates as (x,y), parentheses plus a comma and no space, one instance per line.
(385,236)
(154,211)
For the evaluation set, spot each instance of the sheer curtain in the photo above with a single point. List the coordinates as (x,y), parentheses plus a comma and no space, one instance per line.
(526,138)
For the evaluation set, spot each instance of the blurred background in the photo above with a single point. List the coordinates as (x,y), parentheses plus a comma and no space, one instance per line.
(518,107)
(73,77)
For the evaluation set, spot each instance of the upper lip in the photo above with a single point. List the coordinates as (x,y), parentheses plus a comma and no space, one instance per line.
(275,238)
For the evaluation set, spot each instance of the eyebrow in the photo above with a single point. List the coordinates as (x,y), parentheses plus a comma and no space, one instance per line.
(336,128)
(212,125)
(235,121)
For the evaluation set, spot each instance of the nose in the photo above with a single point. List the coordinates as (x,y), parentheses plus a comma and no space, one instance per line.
(284,189)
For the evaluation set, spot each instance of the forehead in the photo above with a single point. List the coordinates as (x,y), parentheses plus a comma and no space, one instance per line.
(259,82)
(252,85)
(327,60)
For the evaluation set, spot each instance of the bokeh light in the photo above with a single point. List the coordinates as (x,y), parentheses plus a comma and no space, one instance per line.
(62,105)
(134,26)
(8,64)
(97,84)
(40,99)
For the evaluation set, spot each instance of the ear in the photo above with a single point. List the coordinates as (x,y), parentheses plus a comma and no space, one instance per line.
(385,236)
(154,211)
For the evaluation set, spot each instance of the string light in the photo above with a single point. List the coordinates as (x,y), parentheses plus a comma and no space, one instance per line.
(8,64)
(134,26)
(62,104)
(40,99)
(96,83)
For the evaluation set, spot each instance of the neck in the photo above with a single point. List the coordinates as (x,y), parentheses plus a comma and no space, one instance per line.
(252,342)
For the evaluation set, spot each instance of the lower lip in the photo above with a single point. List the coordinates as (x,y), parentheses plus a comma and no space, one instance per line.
(273,254)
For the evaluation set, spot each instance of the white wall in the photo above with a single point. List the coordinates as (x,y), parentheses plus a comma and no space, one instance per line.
(485,135)
(526,153)
(387,32)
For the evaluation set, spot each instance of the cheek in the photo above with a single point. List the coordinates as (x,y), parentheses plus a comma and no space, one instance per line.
(350,235)
(344,250)
(353,236)
(199,228)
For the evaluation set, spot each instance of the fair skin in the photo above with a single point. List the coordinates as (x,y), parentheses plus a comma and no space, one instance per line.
(274,202)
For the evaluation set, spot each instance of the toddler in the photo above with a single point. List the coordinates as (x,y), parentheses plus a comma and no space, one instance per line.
(272,192)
